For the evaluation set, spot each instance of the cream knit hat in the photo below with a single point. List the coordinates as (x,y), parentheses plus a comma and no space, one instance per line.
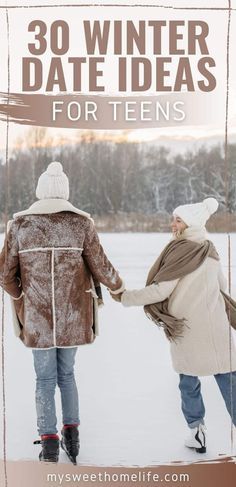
(197,214)
(53,183)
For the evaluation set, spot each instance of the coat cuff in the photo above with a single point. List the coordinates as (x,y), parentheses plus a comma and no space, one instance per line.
(16,299)
(118,291)
(127,299)
(13,288)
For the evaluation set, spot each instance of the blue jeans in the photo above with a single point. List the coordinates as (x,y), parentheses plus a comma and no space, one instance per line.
(55,366)
(192,403)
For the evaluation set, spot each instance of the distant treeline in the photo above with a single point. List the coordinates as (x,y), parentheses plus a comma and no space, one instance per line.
(121,181)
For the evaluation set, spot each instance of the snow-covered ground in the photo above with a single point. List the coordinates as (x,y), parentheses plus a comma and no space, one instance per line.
(129,397)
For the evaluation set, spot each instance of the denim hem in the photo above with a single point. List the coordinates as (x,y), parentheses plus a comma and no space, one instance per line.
(71,422)
(194,424)
(46,432)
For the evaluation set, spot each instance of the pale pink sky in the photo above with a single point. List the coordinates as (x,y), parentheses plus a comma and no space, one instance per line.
(19,20)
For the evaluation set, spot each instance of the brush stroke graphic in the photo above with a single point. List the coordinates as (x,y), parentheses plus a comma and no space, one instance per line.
(111,112)
(211,474)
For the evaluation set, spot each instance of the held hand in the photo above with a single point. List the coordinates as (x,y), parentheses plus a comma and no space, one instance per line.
(116,297)
(117,294)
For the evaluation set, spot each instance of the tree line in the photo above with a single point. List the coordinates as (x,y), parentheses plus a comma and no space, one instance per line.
(111,178)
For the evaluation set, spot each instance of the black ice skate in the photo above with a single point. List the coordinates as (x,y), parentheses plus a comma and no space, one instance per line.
(70,442)
(50,448)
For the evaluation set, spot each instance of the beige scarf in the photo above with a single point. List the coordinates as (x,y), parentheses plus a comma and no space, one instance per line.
(179,258)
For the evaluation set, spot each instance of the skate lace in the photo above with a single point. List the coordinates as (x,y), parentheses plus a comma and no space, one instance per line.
(72,442)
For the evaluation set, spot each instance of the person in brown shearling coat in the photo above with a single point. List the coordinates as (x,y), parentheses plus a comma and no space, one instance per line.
(51,265)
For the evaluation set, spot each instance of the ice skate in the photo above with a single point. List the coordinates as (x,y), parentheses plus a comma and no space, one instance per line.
(197,439)
(70,442)
(50,448)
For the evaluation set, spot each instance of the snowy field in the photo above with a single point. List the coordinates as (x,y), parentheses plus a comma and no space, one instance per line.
(129,398)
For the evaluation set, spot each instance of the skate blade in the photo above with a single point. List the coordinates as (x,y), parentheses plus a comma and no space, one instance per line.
(202,449)
(55,462)
(72,459)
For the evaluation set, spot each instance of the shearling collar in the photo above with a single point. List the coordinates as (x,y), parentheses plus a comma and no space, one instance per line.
(196,234)
(51,205)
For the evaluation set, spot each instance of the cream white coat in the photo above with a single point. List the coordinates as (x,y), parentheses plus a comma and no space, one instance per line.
(204,348)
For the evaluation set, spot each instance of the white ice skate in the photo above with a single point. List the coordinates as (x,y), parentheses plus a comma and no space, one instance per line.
(197,439)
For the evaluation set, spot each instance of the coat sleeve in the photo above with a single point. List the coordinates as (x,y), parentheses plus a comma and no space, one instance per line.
(155,293)
(100,267)
(9,264)
(222,279)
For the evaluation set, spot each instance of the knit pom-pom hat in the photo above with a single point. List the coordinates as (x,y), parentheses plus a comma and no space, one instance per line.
(197,214)
(53,183)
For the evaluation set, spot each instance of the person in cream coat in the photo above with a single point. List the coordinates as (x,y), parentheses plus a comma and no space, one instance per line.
(194,301)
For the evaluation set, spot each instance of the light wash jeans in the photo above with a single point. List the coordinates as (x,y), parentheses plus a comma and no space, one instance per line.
(192,403)
(55,367)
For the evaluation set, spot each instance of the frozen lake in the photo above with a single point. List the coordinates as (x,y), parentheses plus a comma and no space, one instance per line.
(129,398)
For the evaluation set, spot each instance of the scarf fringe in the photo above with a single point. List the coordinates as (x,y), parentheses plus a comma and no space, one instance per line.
(172,332)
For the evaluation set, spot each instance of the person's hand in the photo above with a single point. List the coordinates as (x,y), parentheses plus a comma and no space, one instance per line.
(116,297)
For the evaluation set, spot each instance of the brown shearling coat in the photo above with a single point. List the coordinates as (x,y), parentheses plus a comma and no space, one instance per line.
(53,259)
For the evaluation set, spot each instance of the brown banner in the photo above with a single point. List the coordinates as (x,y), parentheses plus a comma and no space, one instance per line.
(217,473)
(111,113)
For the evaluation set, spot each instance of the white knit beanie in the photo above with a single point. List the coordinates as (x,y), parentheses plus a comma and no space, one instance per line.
(53,183)
(197,214)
